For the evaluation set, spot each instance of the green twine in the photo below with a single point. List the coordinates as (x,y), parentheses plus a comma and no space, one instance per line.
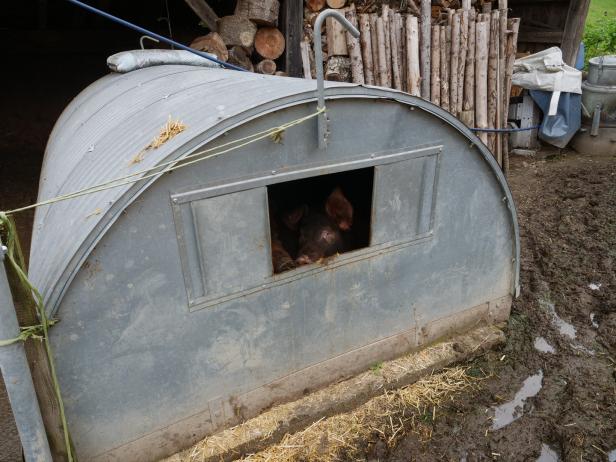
(16,260)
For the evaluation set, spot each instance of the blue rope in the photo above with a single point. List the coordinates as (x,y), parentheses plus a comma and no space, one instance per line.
(163,39)
(505,130)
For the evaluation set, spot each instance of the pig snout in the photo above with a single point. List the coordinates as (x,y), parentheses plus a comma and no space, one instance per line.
(318,240)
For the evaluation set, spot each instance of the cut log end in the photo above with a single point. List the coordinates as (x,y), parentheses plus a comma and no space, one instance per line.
(315,5)
(338,69)
(211,43)
(267,66)
(269,42)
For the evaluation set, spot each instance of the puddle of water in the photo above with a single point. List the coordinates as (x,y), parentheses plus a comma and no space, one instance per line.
(508,412)
(594,323)
(611,456)
(563,326)
(543,346)
(548,454)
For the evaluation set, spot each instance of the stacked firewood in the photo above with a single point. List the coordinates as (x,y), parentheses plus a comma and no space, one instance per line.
(459,56)
(249,38)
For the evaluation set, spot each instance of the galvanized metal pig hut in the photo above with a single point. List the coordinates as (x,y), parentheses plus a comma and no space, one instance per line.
(173,324)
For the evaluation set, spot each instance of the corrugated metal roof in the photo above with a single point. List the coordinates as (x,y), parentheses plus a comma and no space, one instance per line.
(106,126)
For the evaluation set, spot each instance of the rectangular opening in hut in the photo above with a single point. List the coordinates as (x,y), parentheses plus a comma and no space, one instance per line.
(316,218)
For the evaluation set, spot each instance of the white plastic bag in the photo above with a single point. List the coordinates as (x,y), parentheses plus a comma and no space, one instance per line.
(127,61)
(547,71)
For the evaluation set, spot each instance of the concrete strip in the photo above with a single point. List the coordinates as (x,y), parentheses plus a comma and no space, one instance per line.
(270,427)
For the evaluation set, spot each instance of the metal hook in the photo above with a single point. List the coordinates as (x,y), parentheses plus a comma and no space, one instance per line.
(323,129)
(149,38)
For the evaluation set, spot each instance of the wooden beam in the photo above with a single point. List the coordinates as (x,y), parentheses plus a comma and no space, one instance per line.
(205,13)
(291,24)
(574,28)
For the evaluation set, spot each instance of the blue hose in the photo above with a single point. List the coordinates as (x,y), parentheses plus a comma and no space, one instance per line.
(141,30)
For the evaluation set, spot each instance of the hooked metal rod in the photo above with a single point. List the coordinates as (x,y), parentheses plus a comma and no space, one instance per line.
(318,57)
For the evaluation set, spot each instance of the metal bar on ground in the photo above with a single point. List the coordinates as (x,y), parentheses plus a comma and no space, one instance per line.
(18,380)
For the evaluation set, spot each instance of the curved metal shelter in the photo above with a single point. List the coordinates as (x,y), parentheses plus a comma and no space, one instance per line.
(173,324)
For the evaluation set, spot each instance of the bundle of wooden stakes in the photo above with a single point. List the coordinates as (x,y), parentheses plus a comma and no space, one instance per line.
(460,59)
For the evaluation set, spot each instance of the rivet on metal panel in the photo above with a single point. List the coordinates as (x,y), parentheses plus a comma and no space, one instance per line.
(273,172)
(174,200)
(412,108)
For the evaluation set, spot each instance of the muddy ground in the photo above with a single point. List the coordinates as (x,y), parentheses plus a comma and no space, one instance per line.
(567,212)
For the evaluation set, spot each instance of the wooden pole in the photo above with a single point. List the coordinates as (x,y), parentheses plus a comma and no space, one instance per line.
(455,57)
(493,79)
(366,48)
(395,55)
(425,41)
(387,38)
(444,69)
(435,78)
(375,49)
(412,56)
(292,24)
(513,26)
(501,116)
(481,78)
(384,76)
(401,39)
(305,53)
(468,103)
(462,60)
(205,13)
(354,48)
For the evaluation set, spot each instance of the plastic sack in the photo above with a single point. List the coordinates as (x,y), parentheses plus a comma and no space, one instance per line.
(547,71)
(127,61)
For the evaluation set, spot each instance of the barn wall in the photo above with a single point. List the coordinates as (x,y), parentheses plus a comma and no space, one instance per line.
(547,23)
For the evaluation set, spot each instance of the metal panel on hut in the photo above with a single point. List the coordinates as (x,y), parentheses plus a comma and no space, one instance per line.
(190,294)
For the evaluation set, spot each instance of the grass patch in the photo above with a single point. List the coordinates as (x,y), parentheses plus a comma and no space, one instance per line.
(600,29)
(600,9)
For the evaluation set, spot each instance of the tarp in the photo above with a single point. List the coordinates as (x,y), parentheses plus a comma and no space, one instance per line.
(558,129)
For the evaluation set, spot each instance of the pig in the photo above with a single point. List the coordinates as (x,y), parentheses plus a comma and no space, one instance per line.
(284,234)
(322,233)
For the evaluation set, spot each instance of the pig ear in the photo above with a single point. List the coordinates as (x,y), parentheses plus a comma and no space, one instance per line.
(292,218)
(336,204)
